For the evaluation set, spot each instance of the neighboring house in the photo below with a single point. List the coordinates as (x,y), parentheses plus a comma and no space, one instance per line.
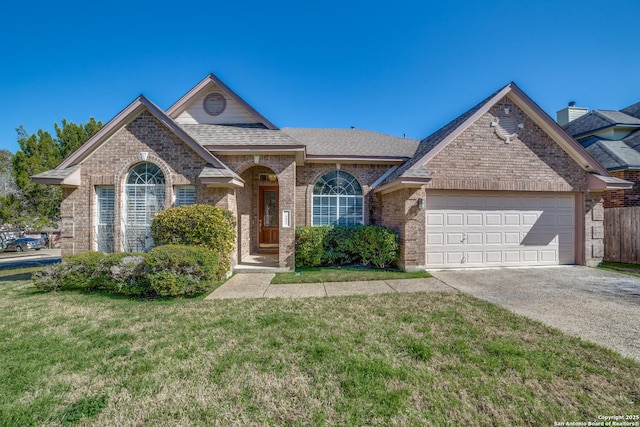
(613,139)
(501,185)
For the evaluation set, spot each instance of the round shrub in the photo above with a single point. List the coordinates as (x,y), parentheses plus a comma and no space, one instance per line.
(49,279)
(180,270)
(198,225)
(124,273)
(378,246)
(311,247)
(82,270)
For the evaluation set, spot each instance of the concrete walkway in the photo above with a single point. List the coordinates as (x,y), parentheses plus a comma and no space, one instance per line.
(257,285)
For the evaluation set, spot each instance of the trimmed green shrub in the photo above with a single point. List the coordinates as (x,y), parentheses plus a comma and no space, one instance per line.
(179,270)
(124,273)
(75,272)
(82,270)
(346,245)
(377,245)
(198,225)
(310,246)
(341,247)
(49,279)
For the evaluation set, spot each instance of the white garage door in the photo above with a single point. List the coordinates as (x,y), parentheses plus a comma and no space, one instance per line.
(473,230)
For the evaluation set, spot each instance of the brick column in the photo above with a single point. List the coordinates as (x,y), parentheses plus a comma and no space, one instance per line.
(400,212)
(593,229)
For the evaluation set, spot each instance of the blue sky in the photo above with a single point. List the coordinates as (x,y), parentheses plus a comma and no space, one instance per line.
(402,67)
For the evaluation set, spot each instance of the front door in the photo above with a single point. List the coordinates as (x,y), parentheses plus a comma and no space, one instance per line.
(268,223)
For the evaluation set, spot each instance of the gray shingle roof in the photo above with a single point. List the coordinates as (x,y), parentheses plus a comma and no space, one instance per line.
(352,142)
(612,154)
(212,172)
(633,140)
(632,110)
(430,142)
(599,119)
(235,135)
(57,173)
(618,117)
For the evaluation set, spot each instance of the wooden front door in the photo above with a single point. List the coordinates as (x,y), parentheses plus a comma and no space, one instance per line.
(269,218)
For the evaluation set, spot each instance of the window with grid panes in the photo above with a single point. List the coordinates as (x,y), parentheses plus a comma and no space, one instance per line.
(184,195)
(105,217)
(144,198)
(337,200)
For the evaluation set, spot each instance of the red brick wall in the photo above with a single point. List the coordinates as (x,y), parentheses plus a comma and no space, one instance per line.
(480,160)
(366,175)
(624,198)
(109,165)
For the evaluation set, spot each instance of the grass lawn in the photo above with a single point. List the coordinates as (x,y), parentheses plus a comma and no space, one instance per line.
(345,274)
(70,358)
(621,267)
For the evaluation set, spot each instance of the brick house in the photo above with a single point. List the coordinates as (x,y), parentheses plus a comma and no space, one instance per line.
(501,185)
(613,139)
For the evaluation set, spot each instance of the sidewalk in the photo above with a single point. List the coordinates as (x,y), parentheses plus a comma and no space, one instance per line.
(257,285)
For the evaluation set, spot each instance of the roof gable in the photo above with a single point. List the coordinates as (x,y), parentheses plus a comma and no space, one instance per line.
(189,109)
(126,116)
(632,110)
(436,142)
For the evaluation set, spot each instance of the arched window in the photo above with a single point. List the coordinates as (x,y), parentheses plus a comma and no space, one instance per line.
(144,198)
(337,200)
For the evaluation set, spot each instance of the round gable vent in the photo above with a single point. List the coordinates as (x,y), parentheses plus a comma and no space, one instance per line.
(506,128)
(214,104)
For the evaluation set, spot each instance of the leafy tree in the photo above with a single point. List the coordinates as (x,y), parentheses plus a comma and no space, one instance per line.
(40,152)
(71,136)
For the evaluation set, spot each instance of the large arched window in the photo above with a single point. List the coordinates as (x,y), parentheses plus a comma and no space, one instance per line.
(337,200)
(144,198)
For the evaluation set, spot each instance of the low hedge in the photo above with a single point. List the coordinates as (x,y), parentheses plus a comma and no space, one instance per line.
(168,271)
(346,245)
(198,225)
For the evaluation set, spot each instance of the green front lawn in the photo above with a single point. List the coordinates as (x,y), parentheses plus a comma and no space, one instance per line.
(70,358)
(344,274)
(621,267)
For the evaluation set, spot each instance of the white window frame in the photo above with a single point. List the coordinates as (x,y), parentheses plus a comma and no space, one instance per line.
(144,197)
(105,217)
(184,195)
(337,200)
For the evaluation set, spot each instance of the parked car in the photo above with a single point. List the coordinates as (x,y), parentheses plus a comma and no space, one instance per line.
(24,243)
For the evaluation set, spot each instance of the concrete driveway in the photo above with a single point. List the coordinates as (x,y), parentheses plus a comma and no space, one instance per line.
(596,305)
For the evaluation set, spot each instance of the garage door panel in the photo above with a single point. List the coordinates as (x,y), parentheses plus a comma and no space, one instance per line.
(455,219)
(435,219)
(475,257)
(529,218)
(455,238)
(548,256)
(475,239)
(512,257)
(435,238)
(512,238)
(474,218)
(493,219)
(493,238)
(496,230)
(493,257)
(511,219)
(455,257)
(435,258)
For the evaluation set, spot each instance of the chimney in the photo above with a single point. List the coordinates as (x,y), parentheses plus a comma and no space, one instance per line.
(570,113)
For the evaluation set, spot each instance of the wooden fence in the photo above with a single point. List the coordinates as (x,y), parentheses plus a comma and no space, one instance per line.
(622,235)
